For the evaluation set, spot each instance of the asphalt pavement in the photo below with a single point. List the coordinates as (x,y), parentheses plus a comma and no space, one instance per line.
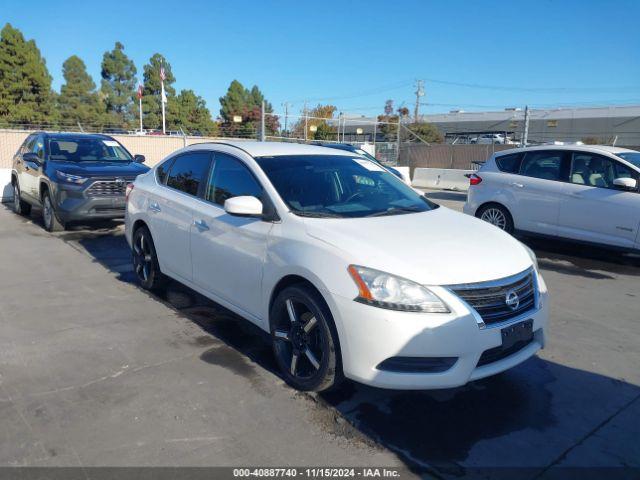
(94,371)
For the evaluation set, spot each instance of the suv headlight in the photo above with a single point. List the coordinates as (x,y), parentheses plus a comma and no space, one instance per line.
(67,177)
(384,290)
(532,255)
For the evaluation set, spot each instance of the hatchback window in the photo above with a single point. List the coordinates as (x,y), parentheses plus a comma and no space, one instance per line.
(340,187)
(544,165)
(230,178)
(188,172)
(509,163)
(597,171)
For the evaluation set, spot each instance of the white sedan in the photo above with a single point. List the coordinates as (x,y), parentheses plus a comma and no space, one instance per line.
(586,193)
(351,271)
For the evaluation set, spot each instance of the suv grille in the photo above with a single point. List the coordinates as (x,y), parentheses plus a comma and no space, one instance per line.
(108,188)
(500,300)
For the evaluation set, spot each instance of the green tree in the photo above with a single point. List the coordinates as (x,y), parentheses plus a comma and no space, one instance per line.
(151,106)
(324,131)
(190,113)
(118,85)
(78,100)
(239,101)
(25,83)
(424,132)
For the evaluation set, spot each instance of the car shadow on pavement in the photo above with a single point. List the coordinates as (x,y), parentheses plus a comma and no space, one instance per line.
(530,415)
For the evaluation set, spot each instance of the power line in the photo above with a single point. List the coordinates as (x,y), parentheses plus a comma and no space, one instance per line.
(633,88)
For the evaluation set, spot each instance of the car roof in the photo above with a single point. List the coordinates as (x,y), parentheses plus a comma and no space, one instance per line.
(71,135)
(580,148)
(268,149)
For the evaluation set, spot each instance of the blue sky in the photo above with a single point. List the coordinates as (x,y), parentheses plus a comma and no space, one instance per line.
(357,54)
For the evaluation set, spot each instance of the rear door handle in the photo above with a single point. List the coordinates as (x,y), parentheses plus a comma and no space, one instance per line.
(518,185)
(154,207)
(201,225)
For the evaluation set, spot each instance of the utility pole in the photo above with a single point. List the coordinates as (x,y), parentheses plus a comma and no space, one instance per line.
(306,121)
(398,147)
(525,135)
(419,93)
(262,123)
(286,115)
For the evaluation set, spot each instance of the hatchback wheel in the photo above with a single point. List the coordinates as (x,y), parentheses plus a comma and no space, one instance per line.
(51,221)
(304,340)
(20,206)
(145,260)
(498,216)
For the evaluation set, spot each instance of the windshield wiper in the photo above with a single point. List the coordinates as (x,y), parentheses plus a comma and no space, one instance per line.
(395,210)
(303,213)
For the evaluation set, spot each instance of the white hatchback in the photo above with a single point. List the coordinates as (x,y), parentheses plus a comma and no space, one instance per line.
(585,193)
(350,270)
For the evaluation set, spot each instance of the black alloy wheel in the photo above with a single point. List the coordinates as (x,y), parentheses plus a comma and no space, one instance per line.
(304,340)
(145,261)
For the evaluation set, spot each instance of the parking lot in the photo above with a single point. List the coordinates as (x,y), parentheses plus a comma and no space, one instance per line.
(95,371)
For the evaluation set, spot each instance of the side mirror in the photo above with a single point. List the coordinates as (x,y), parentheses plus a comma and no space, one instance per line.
(244,206)
(139,158)
(625,183)
(31,157)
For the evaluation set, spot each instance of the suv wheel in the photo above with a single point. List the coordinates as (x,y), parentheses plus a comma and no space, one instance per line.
(51,221)
(20,206)
(145,261)
(304,340)
(498,216)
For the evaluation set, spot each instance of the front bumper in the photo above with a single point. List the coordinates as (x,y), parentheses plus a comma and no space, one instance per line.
(73,204)
(369,335)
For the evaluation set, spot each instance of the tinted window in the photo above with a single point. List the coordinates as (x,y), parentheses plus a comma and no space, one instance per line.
(162,170)
(230,178)
(631,157)
(340,186)
(597,171)
(188,172)
(509,163)
(28,144)
(86,149)
(545,165)
(38,147)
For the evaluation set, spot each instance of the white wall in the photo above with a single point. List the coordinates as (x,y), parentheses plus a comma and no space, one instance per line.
(5,185)
(441,178)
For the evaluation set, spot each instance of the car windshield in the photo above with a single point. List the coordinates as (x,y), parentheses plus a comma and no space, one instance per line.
(631,157)
(86,149)
(337,186)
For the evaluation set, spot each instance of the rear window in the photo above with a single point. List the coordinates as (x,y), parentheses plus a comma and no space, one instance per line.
(509,163)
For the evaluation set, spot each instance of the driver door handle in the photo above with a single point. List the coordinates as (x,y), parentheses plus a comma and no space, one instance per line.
(154,207)
(201,225)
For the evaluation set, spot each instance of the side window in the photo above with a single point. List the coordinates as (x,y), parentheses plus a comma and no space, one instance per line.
(163,169)
(509,163)
(546,165)
(597,171)
(188,172)
(38,147)
(230,178)
(27,146)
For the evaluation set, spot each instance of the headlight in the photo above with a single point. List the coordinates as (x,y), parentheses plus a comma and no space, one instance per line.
(532,255)
(384,290)
(71,178)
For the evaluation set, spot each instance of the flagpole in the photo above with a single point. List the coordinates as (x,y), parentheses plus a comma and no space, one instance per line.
(163,99)
(140,105)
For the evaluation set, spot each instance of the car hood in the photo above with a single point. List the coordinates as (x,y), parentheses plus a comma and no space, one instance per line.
(101,169)
(437,247)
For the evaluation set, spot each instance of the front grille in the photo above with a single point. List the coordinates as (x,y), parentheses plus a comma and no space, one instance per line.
(498,353)
(107,188)
(490,299)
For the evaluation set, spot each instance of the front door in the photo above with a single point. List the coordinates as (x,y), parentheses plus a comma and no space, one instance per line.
(538,190)
(228,251)
(593,208)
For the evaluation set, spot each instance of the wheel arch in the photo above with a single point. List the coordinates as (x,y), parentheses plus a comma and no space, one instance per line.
(496,204)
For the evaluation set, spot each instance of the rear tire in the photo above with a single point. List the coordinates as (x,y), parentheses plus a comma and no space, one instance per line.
(145,261)
(304,339)
(51,221)
(20,206)
(497,216)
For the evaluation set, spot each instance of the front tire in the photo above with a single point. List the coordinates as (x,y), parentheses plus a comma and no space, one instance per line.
(51,221)
(497,216)
(305,340)
(145,261)
(20,206)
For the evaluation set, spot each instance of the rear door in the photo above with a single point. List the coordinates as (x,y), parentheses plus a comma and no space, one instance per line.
(538,191)
(31,171)
(595,210)
(171,211)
